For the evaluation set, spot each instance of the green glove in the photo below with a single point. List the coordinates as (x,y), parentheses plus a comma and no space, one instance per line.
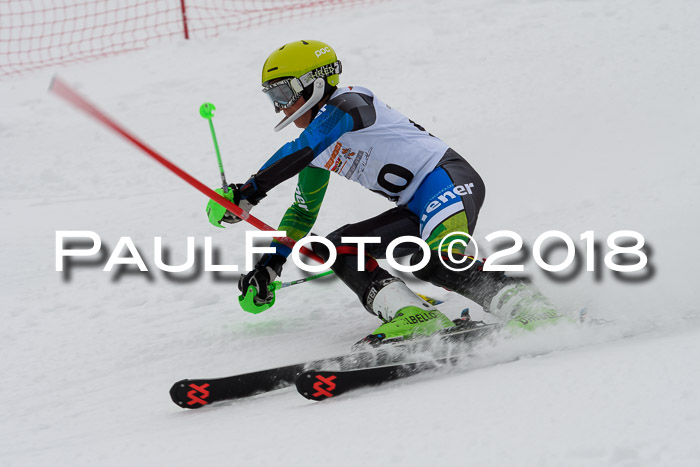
(217,212)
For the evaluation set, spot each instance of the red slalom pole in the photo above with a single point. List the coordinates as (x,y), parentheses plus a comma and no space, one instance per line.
(64,91)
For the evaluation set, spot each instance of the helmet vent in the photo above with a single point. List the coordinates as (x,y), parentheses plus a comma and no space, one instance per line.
(304,42)
(272,69)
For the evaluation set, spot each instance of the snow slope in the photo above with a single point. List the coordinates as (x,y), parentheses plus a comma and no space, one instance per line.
(580,115)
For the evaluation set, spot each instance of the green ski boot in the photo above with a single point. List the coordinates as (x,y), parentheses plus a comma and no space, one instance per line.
(522,306)
(413,321)
(405,315)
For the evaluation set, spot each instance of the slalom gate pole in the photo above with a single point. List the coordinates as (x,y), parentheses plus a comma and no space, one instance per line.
(67,93)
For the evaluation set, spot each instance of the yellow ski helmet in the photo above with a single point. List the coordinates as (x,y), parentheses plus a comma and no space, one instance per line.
(290,71)
(297,58)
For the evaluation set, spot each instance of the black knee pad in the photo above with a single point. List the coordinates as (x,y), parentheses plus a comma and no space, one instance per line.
(426,271)
(322,250)
(345,268)
(337,234)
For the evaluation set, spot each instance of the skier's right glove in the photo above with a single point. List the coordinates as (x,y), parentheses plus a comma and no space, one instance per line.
(235,193)
(266,271)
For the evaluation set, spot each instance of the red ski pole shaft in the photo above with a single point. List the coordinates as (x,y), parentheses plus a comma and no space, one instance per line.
(64,91)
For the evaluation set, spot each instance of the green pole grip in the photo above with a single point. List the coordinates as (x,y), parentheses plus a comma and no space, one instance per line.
(247,301)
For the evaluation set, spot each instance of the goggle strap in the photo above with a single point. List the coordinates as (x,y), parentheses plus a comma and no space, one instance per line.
(321,72)
(299,84)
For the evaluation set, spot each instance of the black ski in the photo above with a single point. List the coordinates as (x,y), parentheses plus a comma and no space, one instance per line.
(321,384)
(318,385)
(196,393)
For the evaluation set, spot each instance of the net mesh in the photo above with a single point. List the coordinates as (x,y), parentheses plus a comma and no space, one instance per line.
(36,34)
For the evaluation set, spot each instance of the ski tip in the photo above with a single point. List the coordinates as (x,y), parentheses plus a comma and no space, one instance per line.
(190,394)
(317,385)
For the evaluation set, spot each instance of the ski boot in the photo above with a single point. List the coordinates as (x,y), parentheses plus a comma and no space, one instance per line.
(405,316)
(522,306)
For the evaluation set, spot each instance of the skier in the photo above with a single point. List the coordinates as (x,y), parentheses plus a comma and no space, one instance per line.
(351,132)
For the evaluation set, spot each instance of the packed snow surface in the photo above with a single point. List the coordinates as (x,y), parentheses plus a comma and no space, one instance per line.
(580,116)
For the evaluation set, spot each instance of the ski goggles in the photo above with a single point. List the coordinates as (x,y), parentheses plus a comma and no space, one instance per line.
(285,92)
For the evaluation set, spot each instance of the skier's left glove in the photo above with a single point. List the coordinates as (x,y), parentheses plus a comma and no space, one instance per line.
(266,271)
(243,195)
(216,212)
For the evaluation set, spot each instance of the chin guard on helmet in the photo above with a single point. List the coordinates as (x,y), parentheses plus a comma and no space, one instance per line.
(318,91)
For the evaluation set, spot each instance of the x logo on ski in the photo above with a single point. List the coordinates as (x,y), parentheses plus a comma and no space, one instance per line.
(196,398)
(320,390)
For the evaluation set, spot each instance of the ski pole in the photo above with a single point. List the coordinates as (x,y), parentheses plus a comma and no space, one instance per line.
(276,285)
(247,301)
(206,110)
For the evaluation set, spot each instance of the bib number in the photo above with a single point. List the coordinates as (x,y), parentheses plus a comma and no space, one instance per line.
(394,178)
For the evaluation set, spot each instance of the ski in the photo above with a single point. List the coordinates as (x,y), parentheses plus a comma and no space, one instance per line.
(321,384)
(197,393)
(318,385)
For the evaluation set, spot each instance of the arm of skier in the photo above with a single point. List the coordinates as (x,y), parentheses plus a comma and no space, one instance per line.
(302,214)
(297,222)
(289,160)
(347,112)
(344,113)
